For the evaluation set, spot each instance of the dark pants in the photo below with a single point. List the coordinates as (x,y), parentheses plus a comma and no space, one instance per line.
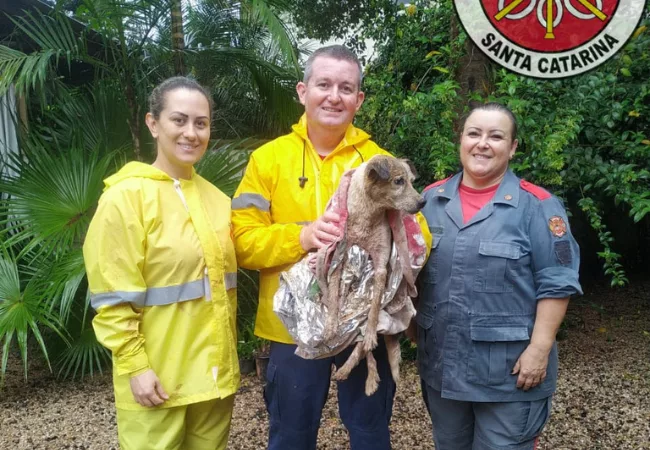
(296,391)
(460,425)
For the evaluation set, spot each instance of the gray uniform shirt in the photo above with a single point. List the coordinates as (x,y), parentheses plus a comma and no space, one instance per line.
(480,287)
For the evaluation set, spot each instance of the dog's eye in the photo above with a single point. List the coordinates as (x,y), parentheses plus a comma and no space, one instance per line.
(399,181)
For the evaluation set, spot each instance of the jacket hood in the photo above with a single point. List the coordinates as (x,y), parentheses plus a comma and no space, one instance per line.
(136,169)
(353,135)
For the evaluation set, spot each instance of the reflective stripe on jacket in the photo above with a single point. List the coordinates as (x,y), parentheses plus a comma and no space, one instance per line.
(480,287)
(162,275)
(270,208)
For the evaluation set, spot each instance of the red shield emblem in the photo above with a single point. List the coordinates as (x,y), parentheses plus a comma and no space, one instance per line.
(557,225)
(526,22)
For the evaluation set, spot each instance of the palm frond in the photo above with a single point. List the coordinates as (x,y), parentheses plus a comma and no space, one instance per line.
(51,32)
(263,11)
(24,71)
(22,312)
(224,163)
(52,196)
(93,117)
(84,355)
(65,274)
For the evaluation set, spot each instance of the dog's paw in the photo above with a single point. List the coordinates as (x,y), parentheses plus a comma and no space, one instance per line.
(341,374)
(372,383)
(330,329)
(369,342)
(329,333)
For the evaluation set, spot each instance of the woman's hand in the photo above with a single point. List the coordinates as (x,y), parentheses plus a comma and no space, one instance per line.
(147,389)
(531,367)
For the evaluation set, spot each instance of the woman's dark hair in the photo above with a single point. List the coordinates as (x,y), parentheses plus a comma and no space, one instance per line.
(157,96)
(494,106)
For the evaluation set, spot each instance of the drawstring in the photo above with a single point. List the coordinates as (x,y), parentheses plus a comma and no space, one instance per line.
(302,180)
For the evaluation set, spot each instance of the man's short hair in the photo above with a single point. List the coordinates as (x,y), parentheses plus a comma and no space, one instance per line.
(339,52)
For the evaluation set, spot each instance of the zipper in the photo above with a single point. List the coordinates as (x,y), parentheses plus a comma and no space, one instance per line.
(207,290)
(179,191)
(206,280)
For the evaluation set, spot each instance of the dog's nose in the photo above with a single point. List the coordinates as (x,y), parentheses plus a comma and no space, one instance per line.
(421,203)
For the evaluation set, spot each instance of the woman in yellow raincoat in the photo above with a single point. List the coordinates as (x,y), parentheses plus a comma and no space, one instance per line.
(162,274)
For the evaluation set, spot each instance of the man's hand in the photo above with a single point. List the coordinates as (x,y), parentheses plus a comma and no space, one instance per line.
(147,389)
(531,367)
(320,233)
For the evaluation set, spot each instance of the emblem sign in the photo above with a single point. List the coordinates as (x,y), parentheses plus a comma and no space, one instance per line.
(549,38)
(557,226)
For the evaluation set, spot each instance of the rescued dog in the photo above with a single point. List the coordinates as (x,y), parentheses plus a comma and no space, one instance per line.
(378,188)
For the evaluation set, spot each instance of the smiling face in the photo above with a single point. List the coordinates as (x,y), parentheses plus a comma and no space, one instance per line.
(331,96)
(486,147)
(182,131)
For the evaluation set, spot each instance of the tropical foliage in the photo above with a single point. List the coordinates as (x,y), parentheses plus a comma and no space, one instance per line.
(79,134)
(587,138)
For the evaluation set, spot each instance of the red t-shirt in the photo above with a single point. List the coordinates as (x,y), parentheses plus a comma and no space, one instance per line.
(472,200)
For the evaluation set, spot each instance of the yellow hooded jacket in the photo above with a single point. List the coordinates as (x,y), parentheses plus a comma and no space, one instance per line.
(162,275)
(270,208)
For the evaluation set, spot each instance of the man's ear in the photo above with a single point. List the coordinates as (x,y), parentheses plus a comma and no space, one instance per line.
(360,98)
(412,168)
(301,89)
(378,169)
(152,125)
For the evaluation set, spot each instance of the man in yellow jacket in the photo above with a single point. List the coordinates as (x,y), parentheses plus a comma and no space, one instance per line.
(278,216)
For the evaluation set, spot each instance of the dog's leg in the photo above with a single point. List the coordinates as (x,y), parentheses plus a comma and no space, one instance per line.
(343,372)
(372,380)
(394,355)
(370,338)
(333,300)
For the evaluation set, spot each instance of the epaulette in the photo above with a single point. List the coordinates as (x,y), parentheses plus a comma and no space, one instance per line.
(437,183)
(538,192)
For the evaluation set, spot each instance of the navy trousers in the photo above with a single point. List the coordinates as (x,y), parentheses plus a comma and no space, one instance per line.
(296,391)
(460,425)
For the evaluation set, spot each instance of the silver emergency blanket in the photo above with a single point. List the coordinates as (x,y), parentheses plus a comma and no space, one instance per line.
(298,303)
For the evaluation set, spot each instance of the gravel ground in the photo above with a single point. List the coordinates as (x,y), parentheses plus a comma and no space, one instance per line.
(602,402)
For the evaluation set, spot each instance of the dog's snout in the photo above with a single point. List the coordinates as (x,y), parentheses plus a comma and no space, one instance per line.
(415,206)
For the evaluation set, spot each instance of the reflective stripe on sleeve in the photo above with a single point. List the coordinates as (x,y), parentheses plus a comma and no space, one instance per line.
(230,280)
(117,298)
(244,201)
(154,296)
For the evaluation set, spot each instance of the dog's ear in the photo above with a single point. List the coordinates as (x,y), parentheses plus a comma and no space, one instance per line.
(378,169)
(409,163)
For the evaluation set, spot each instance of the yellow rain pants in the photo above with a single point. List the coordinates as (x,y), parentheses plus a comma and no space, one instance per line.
(198,426)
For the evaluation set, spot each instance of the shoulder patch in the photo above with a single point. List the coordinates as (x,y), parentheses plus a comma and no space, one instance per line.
(538,192)
(437,183)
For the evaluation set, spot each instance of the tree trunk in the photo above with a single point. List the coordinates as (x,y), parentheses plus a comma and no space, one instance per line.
(178,37)
(473,69)
(21,105)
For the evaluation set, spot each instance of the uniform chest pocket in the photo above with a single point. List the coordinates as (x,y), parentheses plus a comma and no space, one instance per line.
(498,263)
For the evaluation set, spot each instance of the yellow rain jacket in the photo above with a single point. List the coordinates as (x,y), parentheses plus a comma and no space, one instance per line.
(162,275)
(270,208)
